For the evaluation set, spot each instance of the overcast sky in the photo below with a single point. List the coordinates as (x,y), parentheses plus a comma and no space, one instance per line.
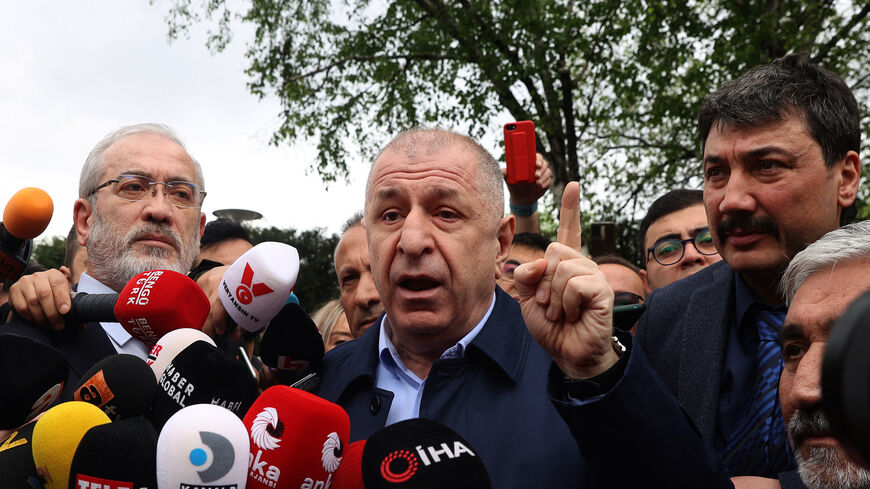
(71,72)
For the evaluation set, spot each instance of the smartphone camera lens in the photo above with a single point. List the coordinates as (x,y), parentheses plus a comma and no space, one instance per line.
(510,127)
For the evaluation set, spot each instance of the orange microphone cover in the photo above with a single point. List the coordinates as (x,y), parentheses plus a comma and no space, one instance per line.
(28,213)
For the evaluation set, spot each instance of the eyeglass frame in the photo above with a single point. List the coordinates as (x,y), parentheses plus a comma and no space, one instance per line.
(683,243)
(152,186)
(638,299)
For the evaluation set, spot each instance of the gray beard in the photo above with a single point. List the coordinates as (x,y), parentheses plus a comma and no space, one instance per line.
(825,468)
(113,262)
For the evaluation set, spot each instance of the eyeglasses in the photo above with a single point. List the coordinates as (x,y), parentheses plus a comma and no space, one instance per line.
(626,298)
(134,188)
(670,251)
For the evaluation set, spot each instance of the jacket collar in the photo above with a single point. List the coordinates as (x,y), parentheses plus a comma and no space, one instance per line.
(504,340)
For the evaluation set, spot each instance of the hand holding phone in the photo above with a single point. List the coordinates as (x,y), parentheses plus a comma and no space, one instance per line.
(519,144)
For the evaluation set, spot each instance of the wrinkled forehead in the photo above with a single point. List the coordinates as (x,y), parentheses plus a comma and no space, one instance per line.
(150,155)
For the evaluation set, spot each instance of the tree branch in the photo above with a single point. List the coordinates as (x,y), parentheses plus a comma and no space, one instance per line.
(826,49)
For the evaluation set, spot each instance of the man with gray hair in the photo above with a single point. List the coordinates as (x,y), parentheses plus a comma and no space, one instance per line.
(359,297)
(451,346)
(140,195)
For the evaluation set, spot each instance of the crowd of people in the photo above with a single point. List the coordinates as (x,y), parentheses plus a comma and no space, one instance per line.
(453,311)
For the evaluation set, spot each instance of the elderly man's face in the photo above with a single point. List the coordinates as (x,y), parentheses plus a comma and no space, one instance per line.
(359,297)
(768,193)
(434,245)
(125,238)
(820,300)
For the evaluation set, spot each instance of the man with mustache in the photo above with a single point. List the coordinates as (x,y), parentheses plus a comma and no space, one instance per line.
(781,168)
(140,195)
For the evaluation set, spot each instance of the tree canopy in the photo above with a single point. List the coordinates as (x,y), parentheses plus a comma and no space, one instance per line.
(613,87)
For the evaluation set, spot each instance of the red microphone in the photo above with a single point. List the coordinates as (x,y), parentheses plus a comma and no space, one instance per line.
(297,439)
(152,304)
(349,473)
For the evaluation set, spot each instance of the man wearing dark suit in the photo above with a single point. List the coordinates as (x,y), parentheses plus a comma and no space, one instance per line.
(140,194)
(781,167)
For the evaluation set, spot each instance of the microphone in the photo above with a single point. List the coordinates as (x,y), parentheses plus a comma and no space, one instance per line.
(257,285)
(16,457)
(152,304)
(32,376)
(203,374)
(57,435)
(297,439)
(25,217)
(121,454)
(421,453)
(202,446)
(170,345)
(122,385)
(349,473)
(292,344)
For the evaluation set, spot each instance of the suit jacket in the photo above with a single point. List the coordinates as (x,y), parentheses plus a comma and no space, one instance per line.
(684,333)
(495,397)
(82,348)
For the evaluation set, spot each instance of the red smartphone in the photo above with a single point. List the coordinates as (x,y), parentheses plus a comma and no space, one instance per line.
(519,151)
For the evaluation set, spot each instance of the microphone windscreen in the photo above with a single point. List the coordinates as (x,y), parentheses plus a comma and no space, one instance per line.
(32,376)
(349,473)
(170,345)
(156,302)
(258,283)
(16,457)
(57,435)
(421,453)
(297,439)
(292,341)
(121,385)
(202,446)
(28,213)
(116,455)
(203,374)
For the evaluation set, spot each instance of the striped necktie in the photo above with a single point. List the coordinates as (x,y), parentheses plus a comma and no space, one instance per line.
(758,444)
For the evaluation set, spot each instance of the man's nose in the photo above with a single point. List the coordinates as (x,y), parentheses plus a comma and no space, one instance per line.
(416,237)
(159,206)
(366,293)
(739,197)
(806,390)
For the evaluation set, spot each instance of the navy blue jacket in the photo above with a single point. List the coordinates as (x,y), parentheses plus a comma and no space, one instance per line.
(495,397)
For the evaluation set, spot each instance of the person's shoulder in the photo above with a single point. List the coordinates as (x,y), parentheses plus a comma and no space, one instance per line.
(705,277)
(20,327)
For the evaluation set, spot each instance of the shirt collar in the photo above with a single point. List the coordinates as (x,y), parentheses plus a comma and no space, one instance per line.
(90,285)
(387,351)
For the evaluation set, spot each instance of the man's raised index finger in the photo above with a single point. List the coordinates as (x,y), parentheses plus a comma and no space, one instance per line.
(569,217)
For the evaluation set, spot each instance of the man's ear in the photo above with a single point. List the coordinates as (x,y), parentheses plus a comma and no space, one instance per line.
(504,238)
(850,176)
(82,213)
(645,280)
(201,223)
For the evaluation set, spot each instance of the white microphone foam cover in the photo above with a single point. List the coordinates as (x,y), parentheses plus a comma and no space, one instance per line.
(202,445)
(170,345)
(258,283)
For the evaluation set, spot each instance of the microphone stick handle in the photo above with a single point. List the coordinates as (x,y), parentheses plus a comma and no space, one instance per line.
(86,308)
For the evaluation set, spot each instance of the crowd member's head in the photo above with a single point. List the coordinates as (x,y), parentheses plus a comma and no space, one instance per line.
(819,283)
(224,240)
(139,202)
(623,277)
(781,164)
(436,233)
(359,297)
(76,257)
(332,323)
(525,247)
(672,222)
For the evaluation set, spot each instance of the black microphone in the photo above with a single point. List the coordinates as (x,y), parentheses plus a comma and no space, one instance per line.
(292,345)
(25,217)
(122,385)
(32,376)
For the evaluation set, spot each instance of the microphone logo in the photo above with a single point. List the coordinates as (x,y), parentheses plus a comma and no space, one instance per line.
(248,290)
(332,451)
(403,461)
(266,430)
(223,456)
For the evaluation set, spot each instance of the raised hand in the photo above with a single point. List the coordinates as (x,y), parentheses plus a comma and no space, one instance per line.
(566,301)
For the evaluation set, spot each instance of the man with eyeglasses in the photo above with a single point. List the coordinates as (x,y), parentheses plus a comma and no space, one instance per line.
(140,195)
(675,240)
